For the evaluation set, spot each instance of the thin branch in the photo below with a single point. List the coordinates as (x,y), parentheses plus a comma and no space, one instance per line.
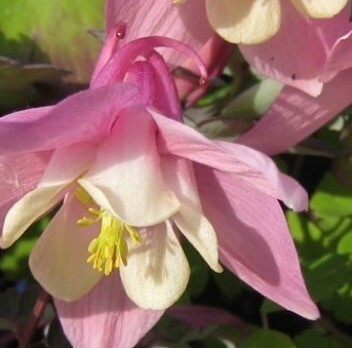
(33,320)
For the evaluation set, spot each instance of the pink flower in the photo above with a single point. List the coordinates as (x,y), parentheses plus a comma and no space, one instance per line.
(319,65)
(306,53)
(133,182)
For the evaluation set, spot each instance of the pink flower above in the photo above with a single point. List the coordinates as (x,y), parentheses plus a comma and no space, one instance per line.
(253,22)
(306,53)
(317,72)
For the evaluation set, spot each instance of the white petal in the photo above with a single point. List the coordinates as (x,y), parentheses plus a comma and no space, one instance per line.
(200,233)
(65,165)
(179,176)
(27,210)
(244,21)
(157,271)
(320,8)
(58,260)
(127,173)
(190,220)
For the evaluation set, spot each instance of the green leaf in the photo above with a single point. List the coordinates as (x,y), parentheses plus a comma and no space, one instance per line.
(345,244)
(332,198)
(254,101)
(199,271)
(307,236)
(52,32)
(16,76)
(312,338)
(268,339)
(229,285)
(327,275)
(270,307)
(14,261)
(340,304)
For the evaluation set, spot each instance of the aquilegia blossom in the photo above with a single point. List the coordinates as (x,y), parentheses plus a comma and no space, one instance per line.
(254,21)
(134,182)
(319,65)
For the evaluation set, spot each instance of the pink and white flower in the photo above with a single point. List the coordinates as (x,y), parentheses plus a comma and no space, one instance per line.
(134,182)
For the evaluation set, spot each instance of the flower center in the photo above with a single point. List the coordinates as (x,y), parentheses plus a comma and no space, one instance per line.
(110,248)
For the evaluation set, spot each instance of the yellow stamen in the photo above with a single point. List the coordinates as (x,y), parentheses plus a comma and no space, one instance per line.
(110,248)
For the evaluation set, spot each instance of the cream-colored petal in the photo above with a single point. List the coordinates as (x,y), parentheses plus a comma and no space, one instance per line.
(127,173)
(179,176)
(58,260)
(27,210)
(320,8)
(65,165)
(189,219)
(200,233)
(157,270)
(244,21)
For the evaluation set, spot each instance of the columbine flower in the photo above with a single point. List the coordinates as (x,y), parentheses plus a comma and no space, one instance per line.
(133,182)
(254,21)
(326,75)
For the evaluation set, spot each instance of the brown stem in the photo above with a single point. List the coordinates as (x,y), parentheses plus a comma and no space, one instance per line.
(33,320)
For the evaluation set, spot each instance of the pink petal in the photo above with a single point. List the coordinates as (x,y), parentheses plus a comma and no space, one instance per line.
(254,240)
(181,140)
(152,76)
(287,189)
(187,22)
(155,81)
(19,174)
(84,116)
(295,115)
(105,317)
(339,58)
(111,43)
(297,55)
(68,163)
